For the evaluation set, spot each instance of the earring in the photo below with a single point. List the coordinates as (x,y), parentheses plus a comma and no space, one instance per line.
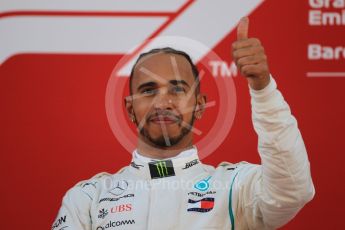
(133,117)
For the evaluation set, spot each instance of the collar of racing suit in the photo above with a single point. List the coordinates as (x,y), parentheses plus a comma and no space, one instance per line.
(175,166)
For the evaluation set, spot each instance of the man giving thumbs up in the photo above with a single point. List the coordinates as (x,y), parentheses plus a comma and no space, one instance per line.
(166,186)
(271,195)
(250,58)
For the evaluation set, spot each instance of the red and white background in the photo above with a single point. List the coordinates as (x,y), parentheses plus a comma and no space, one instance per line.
(57,58)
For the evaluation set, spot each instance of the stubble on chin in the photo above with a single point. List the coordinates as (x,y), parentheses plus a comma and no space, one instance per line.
(161,141)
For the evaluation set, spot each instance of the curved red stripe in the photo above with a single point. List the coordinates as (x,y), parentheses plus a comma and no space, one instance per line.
(86,13)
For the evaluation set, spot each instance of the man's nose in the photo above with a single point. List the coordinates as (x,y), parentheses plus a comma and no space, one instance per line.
(163,100)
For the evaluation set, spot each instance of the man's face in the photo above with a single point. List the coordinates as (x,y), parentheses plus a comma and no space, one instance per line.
(164,100)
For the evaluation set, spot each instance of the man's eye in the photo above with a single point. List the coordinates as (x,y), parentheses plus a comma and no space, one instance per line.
(149,91)
(178,89)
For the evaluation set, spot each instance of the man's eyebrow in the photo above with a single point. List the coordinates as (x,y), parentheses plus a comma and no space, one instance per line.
(154,84)
(147,84)
(176,82)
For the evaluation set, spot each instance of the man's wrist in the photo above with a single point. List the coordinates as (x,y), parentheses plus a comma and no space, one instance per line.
(262,94)
(257,83)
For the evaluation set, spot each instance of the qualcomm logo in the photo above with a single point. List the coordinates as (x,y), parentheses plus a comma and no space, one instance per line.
(113,224)
(113,27)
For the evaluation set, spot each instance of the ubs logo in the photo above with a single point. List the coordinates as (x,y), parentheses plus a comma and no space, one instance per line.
(121,208)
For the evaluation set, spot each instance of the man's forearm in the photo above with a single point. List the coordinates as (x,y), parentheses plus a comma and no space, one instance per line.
(286,182)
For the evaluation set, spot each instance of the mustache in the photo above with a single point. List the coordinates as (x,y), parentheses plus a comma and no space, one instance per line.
(164,113)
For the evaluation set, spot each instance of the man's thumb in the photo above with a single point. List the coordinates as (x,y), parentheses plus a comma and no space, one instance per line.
(242,29)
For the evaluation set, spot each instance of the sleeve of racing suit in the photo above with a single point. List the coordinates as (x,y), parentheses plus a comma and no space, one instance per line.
(270,195)
(74,212)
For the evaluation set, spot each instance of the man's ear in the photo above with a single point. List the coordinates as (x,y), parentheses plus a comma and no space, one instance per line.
(200,106)
(129,108)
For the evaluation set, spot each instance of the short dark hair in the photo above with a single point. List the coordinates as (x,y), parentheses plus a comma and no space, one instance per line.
(168,50)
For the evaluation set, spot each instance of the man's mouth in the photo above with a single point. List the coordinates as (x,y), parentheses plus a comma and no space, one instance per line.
(163,119)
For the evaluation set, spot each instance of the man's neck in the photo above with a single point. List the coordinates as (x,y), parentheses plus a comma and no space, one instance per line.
(153,152)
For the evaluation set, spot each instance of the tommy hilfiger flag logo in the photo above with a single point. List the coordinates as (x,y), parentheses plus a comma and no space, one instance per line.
(159,169)
(203,205)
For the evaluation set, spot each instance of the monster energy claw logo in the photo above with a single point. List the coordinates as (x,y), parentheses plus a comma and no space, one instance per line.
(162,168)
(159,169)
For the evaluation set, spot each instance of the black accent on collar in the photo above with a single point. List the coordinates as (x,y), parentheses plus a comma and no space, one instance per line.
(135,165)
(160,169)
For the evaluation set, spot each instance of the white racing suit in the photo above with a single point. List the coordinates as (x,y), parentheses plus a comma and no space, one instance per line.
(183,193)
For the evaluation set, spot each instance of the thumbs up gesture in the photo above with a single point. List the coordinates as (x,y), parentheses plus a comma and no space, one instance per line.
(249,56)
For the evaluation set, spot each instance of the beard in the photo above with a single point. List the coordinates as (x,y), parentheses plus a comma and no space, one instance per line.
(162,141)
